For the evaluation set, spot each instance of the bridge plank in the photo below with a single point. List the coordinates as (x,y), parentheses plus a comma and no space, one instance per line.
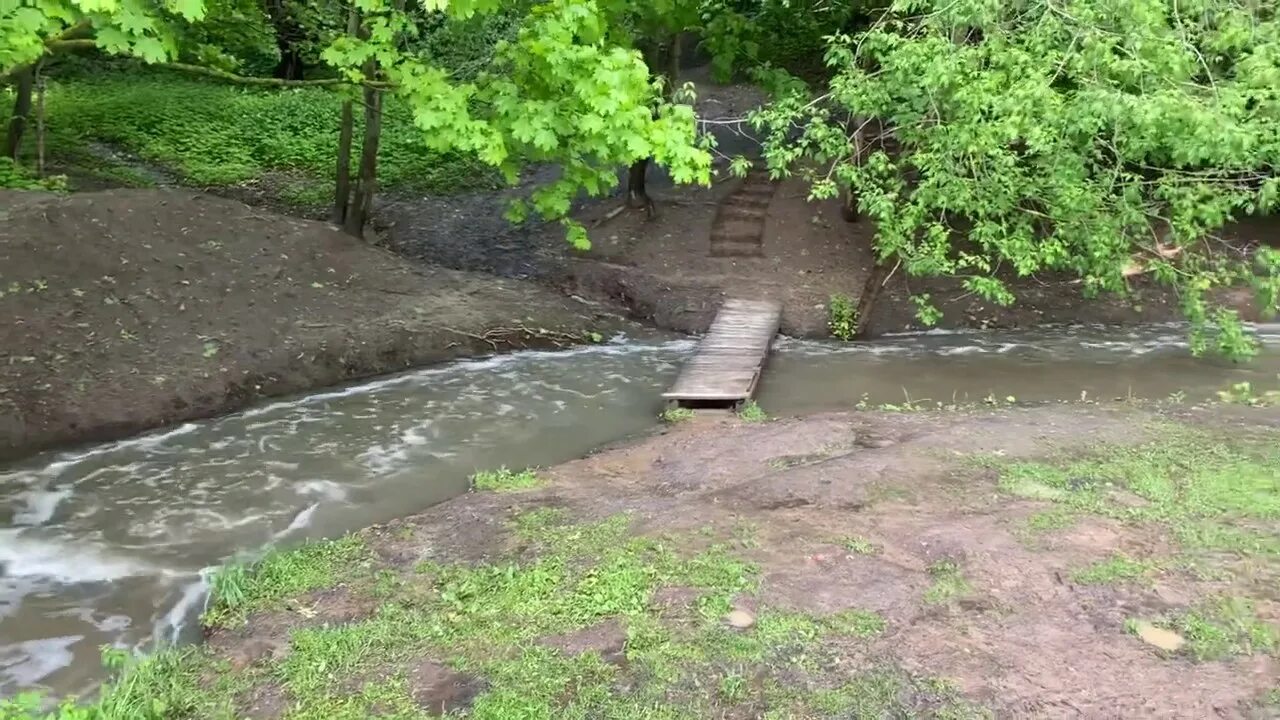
(729,360)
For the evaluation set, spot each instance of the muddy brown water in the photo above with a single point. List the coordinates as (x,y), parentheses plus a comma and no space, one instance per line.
(108,545)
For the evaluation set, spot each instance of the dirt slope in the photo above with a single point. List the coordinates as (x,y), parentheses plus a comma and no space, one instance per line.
(127,309)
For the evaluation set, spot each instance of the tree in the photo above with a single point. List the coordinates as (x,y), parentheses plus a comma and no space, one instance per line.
(1009,139)
(567,90)
(31,30)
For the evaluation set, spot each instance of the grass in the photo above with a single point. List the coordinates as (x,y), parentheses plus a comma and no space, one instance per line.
(505,480)
(1115,569)
(675,415)
(241,588)
(751,412)
(489,621)
(859,545)
(1222,628)
(1210,493)
(948,583)
(215,134)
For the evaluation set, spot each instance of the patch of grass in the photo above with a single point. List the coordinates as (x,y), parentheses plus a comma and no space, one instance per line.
(948,583)
(1222,628)
(675,415)
(1213,493)
(239,589)
(859,545)
(752,412)
(1047,521)
(842,317)
(1115,569)
(505,480)
(856,623)
(493,621)
(215,134)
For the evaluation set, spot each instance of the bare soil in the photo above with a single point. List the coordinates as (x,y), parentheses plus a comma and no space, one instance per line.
(1022,638)
(129,309)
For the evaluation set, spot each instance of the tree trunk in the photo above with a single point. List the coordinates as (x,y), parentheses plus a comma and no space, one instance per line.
(637,197)
(39,120)
(667,57)
(867,301)
(342,189)
(24,78)
(362,200)
(346,129)
(288,34)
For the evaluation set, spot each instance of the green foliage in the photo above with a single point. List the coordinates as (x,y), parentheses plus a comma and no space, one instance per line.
(842,317)
(677,415)
(144,30)
(217,134)
(856,623)
(752,412)
(16,177)
(1067,142)
(568,89)
(1242,393)
(505,480)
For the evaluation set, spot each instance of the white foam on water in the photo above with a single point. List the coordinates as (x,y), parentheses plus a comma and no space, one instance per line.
(325,488)
(300,521)
(194,595)
(65,562)
(29,662)
(41,505)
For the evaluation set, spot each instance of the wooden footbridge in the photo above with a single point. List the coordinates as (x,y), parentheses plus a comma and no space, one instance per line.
(726,368)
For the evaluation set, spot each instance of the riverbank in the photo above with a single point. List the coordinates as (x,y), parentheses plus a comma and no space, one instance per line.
(133,309)
(964,564)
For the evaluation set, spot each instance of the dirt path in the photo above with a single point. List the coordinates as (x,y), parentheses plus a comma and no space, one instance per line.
(130,309)
(1006,563)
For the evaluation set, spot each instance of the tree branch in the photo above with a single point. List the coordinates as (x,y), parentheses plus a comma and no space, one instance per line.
(271,82)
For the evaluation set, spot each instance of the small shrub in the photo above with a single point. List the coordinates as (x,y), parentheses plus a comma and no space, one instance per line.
(859,545)
(676,415)
(504,480)
(842,319)
(752,412)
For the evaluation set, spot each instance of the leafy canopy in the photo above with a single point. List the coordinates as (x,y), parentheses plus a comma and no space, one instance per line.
(1036,136)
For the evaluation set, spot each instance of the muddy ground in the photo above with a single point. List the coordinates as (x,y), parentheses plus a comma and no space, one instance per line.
(130,309)
(1066,561)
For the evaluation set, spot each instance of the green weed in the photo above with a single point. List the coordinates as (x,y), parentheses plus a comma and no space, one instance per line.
(675,415)
(751,412)
(859,545)
(842,317)
(216,134)
(948,583)
(239,589)
(856,623)
(1214,494)
(1223,628)
(505,480)
(1115,569)
(1050,520)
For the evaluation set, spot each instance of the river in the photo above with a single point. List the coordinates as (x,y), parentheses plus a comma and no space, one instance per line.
(106,545)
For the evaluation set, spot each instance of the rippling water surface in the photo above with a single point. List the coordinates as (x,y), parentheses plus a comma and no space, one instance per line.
(106,545)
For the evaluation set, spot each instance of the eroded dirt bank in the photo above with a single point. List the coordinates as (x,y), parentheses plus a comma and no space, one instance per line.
(130,309)
(967,564)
